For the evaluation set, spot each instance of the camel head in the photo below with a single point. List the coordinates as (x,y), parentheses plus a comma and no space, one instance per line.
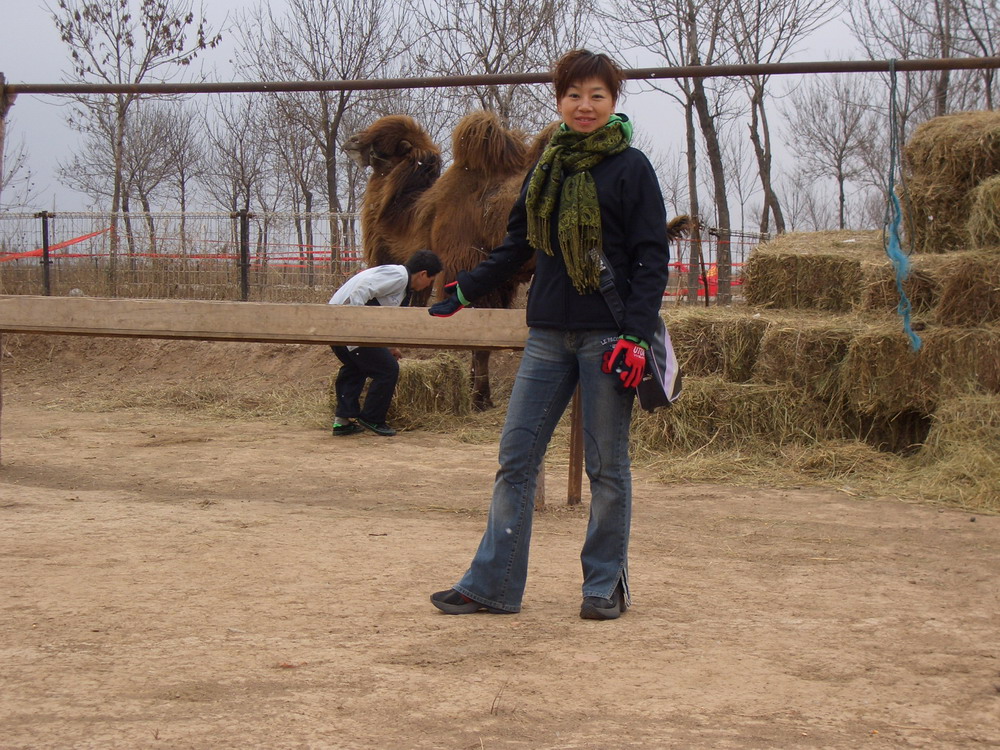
(390,141)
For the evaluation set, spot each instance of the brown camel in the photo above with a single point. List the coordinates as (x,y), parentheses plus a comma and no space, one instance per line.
(461,216)
(405,162)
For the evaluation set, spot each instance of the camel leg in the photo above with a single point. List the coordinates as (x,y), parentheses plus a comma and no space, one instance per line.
(481,397)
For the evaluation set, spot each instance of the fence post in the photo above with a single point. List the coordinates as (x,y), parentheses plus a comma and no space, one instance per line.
(46,260)
(244,263)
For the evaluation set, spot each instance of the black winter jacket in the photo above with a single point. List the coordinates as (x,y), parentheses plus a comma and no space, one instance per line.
(633,224)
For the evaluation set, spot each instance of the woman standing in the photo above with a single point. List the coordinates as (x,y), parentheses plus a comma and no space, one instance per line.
(590,194)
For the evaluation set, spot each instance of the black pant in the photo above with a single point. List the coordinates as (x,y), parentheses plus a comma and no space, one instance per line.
(373,362)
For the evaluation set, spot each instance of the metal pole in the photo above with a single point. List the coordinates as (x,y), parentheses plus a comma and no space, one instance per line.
(244,262)
(46,261)
(684,71)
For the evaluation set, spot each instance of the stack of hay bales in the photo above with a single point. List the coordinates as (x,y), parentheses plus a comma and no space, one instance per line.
(817,364)
(953,182)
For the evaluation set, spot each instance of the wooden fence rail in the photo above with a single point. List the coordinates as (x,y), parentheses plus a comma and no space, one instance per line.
(269,322)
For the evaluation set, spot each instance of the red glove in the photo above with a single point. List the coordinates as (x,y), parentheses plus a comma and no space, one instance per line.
(627,360)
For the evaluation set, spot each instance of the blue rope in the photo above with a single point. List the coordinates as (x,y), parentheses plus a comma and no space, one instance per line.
(893,216)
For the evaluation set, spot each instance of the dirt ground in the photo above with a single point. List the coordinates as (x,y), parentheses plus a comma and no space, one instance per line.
(173,579)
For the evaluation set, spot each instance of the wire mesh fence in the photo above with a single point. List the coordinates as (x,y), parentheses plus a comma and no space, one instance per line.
(263,257)
(267,257)
(696,265)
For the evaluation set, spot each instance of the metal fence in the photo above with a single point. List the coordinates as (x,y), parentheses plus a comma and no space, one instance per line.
(274,257)
(240,256)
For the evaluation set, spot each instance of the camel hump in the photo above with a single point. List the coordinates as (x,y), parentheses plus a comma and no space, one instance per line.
(481,143)
(541,141)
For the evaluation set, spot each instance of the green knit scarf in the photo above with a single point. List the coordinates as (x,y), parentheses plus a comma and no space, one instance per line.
(562,177)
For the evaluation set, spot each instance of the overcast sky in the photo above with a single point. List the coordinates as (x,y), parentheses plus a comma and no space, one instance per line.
(31,52)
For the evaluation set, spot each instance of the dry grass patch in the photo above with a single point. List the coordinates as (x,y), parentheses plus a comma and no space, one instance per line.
(960,461)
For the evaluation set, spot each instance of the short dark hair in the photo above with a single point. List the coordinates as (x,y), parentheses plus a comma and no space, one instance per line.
(423,260)
(579,64)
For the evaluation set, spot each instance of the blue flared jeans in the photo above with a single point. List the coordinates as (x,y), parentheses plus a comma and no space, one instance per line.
(553,363)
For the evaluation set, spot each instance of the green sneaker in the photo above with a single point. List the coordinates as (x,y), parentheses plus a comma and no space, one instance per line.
(350,428)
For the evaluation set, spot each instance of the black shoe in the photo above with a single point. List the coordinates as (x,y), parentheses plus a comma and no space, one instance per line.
(349,428)
(379,429)
(599,608)
(453,603)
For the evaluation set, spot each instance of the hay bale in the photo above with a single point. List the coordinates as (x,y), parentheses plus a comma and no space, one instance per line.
(970,290)
(806,353)
(965,360)
(716,340)
(741,346)
(695,336)
(439,387)
(984,215)
(881,375)
(769,279)
(922,285)
(724,415)
(960,461)
(945,159)
(820,282)
(812,270)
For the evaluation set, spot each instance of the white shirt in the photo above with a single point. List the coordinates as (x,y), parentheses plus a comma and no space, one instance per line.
(387,284)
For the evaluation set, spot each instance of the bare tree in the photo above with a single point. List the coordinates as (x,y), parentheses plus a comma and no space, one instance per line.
(466,37)
(324,40)
(125,42)
(236,160)
(17,186)
(981,36)
(808,210)
(184,144)
(931,28)
(830,128)
(690,32)
(766,31)
(739,166)
(6,102)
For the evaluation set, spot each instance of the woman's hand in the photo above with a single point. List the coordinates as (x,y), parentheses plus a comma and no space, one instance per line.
(451,304)
(627,360)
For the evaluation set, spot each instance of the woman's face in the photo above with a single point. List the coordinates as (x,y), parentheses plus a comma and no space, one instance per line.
(586,106)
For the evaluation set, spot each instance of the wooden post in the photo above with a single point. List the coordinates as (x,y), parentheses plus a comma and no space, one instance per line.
(540,487)
(1,395)
(574,493)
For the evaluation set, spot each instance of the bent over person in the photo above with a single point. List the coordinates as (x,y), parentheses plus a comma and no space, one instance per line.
(590,192)
(386,286)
